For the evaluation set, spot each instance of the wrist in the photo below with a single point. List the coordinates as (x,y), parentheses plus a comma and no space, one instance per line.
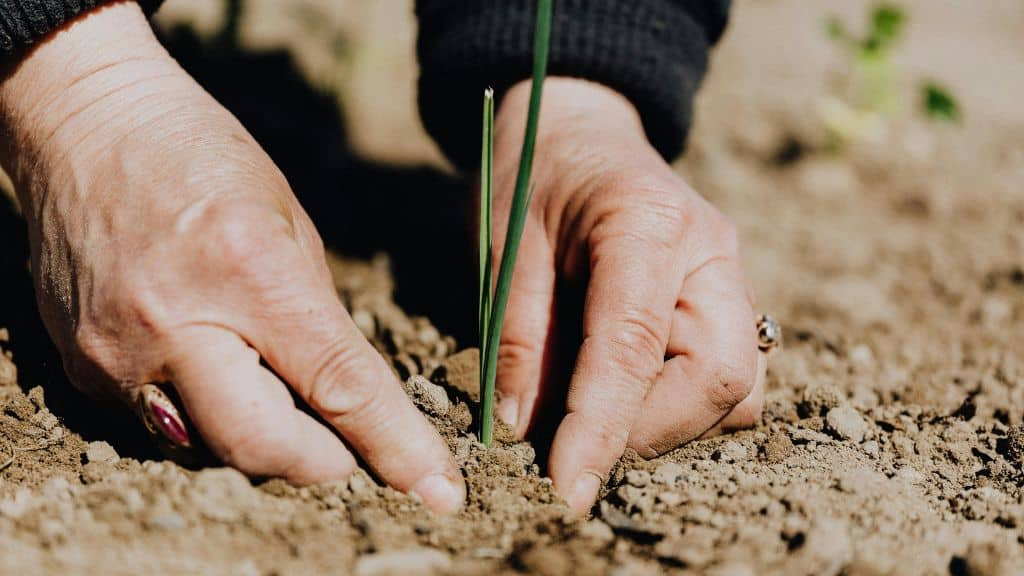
(57,92)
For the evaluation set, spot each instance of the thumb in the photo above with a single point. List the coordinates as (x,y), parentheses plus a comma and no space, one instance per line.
(526,337)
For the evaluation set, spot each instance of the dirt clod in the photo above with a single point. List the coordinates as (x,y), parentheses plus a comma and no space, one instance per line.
(847,424)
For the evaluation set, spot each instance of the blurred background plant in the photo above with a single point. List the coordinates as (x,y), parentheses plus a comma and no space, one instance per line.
(870,95)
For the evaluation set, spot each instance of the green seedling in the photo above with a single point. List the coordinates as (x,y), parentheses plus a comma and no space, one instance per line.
(492,307)
(872,96)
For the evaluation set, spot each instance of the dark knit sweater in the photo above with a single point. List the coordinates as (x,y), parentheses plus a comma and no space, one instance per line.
(652,51)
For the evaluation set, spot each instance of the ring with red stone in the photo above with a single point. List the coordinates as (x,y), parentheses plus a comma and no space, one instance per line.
(162,417)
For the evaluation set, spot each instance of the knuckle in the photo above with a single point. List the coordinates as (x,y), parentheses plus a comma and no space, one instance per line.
(637,345)
(239,242)
(514,354)
(341,387)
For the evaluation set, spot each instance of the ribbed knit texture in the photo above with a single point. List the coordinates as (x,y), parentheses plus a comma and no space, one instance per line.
(22,22)
(654,52)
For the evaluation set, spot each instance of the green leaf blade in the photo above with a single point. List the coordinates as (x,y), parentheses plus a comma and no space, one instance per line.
(517,219)
(485,247)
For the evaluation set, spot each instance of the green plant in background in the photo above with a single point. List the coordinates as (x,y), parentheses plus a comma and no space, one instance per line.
(492,308)
(872,57)
(873,94)
(938,103)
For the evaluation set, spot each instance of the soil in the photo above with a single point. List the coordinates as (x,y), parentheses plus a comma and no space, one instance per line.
(893,437)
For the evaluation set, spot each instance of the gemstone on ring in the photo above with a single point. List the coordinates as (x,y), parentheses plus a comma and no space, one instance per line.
(161,416)
(769,333)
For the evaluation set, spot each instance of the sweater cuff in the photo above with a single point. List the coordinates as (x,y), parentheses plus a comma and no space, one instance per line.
(654,52)
(23,22)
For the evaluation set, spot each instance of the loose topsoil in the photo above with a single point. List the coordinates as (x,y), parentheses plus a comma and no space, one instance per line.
(893,437)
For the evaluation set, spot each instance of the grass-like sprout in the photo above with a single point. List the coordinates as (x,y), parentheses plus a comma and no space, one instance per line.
(492,309)
(873,92)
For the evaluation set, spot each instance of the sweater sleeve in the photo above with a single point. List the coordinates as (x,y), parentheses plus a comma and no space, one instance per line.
(654,52)
(23,22)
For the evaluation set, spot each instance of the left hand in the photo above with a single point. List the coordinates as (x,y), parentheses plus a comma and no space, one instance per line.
(668,348)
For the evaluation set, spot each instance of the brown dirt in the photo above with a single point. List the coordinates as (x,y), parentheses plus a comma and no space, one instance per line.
(892,441)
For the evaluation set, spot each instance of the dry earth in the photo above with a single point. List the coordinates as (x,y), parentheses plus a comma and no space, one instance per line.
(893,439)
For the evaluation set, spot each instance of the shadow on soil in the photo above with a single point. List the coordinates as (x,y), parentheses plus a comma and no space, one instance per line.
(414,214)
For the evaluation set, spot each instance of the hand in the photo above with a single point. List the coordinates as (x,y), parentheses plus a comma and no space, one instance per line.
(166,246)
(668,345)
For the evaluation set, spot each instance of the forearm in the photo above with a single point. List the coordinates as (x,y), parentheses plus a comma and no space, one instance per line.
(654,52)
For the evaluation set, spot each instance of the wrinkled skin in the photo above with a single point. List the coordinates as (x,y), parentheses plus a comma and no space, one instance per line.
(167,247)
(669,351)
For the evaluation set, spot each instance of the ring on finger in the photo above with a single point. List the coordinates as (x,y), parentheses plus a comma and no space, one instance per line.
(769,333)
(161,416)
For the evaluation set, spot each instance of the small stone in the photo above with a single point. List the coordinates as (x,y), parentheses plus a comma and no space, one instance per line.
(871,448)
(828,547)
(166,521)
(93,472)
(366,322)
(638,478)
(732,451)
(597,531)
(361,485)
(56,488)
(100,451)
(862,358)
(405,365)
(667,474)
(995,311)
(428,335)
(803,436)
(1015,445)
(694,548)
(630,494)
(778,447)
(222,494)
(45,420)
(133,500)
(670,498)
(910,475)
(461,371)
(428,396)
(904,446)
(413,561)
(52,531)
(818,399)
(16,507)
(847,424)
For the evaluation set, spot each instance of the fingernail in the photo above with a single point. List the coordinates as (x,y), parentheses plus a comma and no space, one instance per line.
(441,493)
(508,411)
(584,491)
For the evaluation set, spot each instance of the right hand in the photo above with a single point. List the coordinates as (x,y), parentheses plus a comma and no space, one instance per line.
(166,246)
